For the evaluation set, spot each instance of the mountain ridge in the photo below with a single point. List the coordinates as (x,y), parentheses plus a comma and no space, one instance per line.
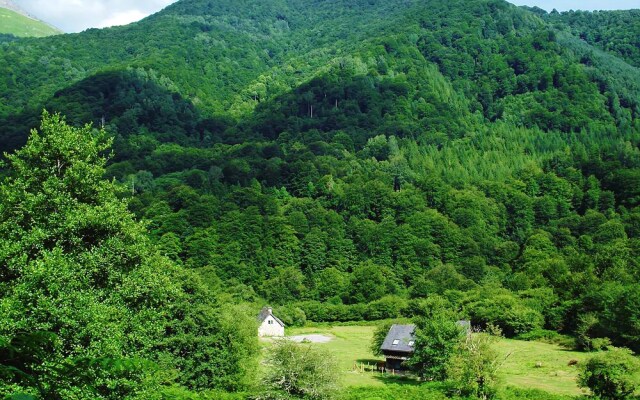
(279,22)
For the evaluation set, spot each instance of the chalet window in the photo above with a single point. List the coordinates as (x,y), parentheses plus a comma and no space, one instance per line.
(270,322)
(395,342)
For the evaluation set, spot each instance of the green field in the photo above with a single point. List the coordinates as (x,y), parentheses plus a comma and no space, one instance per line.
(350,345)
(21,26)
(553,374)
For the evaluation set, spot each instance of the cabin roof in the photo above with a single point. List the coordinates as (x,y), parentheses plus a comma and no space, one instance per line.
(268,311)
(398,339)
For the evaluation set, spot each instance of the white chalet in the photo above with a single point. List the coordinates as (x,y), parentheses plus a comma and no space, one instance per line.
(270,325)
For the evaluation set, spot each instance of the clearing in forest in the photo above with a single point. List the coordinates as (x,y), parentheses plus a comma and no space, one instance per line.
(532,365)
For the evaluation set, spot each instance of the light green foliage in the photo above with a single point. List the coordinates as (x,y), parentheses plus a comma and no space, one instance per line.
(75,264)
(446,351)
(473,368)
(435,392)
(510,393)
(301,371)
(610,374)
(437,337)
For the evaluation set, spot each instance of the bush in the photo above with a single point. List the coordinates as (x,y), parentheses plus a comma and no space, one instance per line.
(600,344)
(547,336)
(300,370)
(539,335)
(428,391)
(386,307)
(378,337)
(291,315)
(472,369)
(326,312)
(513,393)
(436,338)
(610,375)
(507,312)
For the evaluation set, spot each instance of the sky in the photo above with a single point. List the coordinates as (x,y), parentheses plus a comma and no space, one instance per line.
(78,15)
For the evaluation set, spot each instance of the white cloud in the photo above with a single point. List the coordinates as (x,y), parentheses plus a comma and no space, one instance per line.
(78,15)
(122,18)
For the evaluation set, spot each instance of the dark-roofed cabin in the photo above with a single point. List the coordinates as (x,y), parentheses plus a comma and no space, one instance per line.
(398,346)
(270,325)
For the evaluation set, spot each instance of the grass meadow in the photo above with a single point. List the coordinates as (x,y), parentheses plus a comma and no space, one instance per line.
(21,26)
(527,366)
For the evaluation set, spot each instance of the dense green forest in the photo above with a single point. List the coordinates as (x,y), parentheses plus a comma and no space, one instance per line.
(341,160)
(615,32)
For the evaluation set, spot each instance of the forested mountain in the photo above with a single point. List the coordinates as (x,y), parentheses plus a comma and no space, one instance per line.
(616,32)
(17,23)
(349,159)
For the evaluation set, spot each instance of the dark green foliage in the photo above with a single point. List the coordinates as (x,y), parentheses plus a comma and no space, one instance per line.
(548,336)
(379,335)
(7,37)
(506,311)
(291,316)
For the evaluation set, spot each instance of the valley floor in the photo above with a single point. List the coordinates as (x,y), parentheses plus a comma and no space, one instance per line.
(529,365)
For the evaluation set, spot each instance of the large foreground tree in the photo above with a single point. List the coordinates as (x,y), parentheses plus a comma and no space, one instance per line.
(78,270)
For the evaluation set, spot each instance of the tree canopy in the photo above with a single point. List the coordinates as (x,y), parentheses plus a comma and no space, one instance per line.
(76,266)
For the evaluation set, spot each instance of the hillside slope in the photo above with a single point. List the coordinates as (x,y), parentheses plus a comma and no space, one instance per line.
(15,23)
(228,59)
(349,159)
(616,32)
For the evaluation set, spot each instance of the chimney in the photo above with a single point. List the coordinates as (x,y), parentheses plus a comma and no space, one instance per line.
(270,310)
